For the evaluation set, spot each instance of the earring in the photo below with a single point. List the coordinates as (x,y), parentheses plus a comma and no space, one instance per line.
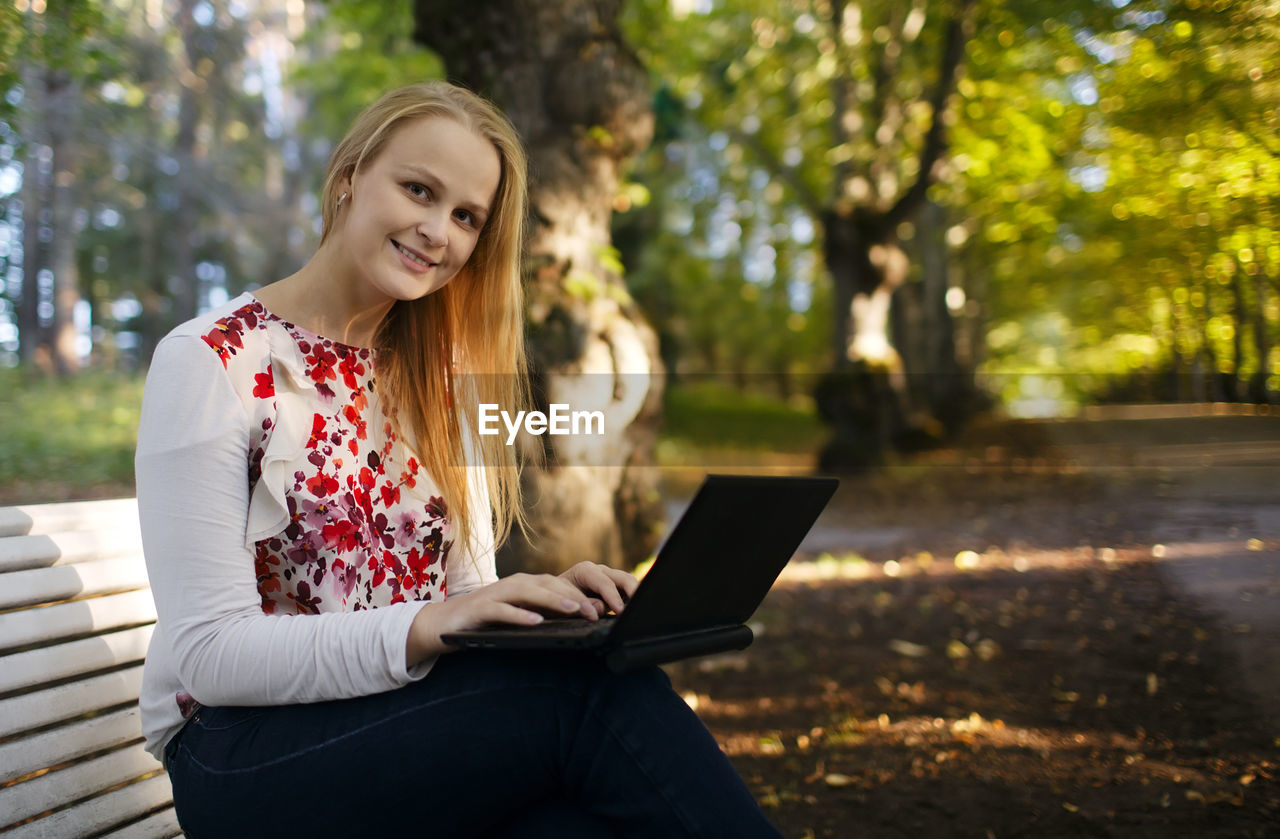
(340,200)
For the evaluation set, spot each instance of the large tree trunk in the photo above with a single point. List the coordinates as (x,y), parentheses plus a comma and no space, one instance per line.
(864,398)
(579,97)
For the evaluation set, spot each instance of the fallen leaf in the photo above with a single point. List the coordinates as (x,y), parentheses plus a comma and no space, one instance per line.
(908,649)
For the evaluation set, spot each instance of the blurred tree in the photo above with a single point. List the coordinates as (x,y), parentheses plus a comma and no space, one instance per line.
(563,72)
(844,104)
(55,57)
(1135,259)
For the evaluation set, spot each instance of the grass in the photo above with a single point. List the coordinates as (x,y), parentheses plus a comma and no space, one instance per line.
(710,419)
(74,438)
(67,439)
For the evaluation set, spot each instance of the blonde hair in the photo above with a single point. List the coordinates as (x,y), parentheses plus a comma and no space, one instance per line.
(463,344)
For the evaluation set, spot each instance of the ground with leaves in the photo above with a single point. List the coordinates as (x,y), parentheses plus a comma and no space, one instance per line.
(1062,637)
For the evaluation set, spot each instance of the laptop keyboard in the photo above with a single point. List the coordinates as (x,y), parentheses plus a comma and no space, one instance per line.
(572,626)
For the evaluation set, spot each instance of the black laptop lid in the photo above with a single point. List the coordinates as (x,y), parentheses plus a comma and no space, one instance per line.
(725,552)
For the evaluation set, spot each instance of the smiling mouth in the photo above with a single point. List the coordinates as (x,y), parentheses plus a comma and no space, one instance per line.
(412,255)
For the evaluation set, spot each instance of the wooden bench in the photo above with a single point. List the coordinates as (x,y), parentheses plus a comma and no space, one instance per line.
(75,619)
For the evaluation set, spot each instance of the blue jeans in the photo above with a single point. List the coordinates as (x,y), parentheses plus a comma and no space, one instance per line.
(488,744)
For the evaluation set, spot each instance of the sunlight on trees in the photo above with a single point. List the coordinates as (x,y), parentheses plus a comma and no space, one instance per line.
(1100,223)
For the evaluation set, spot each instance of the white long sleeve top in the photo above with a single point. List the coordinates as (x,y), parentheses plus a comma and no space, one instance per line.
(289,539)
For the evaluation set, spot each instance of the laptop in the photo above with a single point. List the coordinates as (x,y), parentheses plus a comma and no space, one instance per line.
(705,583)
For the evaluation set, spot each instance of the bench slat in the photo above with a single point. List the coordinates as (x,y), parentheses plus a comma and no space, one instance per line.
(63,582)
(36,710)
(162,825)
(41,550)
(69,516)
(50,748)
(65,620)
(98,814)
(54,789)
(36,667)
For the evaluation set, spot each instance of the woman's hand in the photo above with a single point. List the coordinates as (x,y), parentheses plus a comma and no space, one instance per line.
(520,599)
(612,586)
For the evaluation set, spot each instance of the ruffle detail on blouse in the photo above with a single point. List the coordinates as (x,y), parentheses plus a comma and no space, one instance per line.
(285,443)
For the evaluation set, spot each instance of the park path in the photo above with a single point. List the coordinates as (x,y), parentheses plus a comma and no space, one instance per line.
(1194,488)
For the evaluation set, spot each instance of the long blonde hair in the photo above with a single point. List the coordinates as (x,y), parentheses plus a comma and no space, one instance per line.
(464,344)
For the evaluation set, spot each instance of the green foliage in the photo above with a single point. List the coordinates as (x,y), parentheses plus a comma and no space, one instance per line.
(711,416)
(368,50)
(1145,243)
(1110,188)
(76,435)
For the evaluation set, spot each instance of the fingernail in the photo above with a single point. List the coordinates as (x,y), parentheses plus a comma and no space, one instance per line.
(534,617)
(571,605)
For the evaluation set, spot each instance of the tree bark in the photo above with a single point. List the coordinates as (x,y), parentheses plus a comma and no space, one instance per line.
(34,202)
(63,95)
(579,97)
(864,398)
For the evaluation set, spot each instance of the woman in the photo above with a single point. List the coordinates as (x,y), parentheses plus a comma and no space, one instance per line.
(313,521)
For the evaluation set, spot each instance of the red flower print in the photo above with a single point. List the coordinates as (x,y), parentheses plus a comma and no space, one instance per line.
(317,431)
(354,446)
(265,386)
(367,478)
(436,508)
(353,417)
(322,485)
(320,365)
(344,578)
(342,535)
(413,465)
(390,495)
(351,367)
(224,338)
(306,603)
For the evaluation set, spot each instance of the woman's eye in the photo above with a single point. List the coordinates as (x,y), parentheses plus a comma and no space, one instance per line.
(465,216)
(418,190)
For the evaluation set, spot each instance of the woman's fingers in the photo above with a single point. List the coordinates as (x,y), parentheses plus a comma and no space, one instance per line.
(545,592)
(612,585)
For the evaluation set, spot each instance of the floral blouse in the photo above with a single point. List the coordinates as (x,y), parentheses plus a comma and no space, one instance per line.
(354,534)
(271,485)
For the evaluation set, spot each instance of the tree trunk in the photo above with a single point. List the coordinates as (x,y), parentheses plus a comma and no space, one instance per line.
(580,100)
(32,336)
(34,203)
(182,284)
(1261,342)
(63,95)
(864,398)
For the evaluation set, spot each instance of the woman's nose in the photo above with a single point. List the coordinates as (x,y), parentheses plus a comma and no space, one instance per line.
(434,228)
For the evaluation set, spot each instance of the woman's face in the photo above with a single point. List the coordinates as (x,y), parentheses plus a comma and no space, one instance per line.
(412,217)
